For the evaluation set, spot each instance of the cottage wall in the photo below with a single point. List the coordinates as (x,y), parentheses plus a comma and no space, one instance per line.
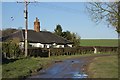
(21,44)
(37,45)
(59,46)
(70,45)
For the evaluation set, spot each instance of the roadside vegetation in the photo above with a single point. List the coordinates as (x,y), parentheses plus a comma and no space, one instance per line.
(10,49)
(104,67)
(29,66)
(23,67)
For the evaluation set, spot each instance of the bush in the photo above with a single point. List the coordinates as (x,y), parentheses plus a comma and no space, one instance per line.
(10,49)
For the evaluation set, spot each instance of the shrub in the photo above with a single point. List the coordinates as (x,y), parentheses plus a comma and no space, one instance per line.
(10,49)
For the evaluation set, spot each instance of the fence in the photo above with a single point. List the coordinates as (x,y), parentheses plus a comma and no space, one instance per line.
(106,49)
(45,52)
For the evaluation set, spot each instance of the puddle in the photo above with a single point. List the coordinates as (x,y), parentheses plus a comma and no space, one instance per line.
(79,75)
(64,69)
(75,61)
(42,72)
(75,75)
(72,61)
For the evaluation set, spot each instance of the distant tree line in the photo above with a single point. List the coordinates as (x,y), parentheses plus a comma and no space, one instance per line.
(73,37)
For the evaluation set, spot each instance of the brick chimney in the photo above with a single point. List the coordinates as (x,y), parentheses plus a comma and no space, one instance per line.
(37,25)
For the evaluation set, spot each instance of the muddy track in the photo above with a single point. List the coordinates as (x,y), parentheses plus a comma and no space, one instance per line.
(67,68)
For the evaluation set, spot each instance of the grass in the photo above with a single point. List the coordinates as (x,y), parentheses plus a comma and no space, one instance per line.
(99,42)
(0,71)
(22,67)
(28,66)
(104,67)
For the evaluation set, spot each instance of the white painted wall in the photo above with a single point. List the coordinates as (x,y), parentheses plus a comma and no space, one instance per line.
(59,46)
(70,45)
(37,45)
(48,45)
(40,45)
(21,44)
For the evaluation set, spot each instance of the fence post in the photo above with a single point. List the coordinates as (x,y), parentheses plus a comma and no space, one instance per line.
(49,52)
(95,49)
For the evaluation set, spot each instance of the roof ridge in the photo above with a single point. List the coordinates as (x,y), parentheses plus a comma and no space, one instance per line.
(62,37)
(42,37)
(11,33)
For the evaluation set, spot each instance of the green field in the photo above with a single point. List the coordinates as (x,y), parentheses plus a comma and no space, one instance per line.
(99,42)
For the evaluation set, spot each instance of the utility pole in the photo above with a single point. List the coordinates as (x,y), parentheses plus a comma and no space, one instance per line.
(118,20)
(26,26)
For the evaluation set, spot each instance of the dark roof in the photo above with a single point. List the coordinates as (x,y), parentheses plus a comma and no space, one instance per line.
(17,34)
(41,37)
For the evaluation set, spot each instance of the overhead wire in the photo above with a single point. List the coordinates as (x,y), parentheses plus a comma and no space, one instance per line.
(58,7)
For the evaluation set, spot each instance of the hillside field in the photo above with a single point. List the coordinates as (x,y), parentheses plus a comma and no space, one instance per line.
(99,42)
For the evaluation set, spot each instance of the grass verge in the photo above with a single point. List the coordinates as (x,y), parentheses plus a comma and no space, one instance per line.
(27,66)
(23,67)
(104,67)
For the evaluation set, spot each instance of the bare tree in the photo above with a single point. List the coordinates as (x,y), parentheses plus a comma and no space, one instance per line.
(105,11)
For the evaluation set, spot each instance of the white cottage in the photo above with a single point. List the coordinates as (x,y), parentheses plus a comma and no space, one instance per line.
(42,39)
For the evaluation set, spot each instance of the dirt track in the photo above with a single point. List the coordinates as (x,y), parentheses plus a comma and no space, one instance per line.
(67,68)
